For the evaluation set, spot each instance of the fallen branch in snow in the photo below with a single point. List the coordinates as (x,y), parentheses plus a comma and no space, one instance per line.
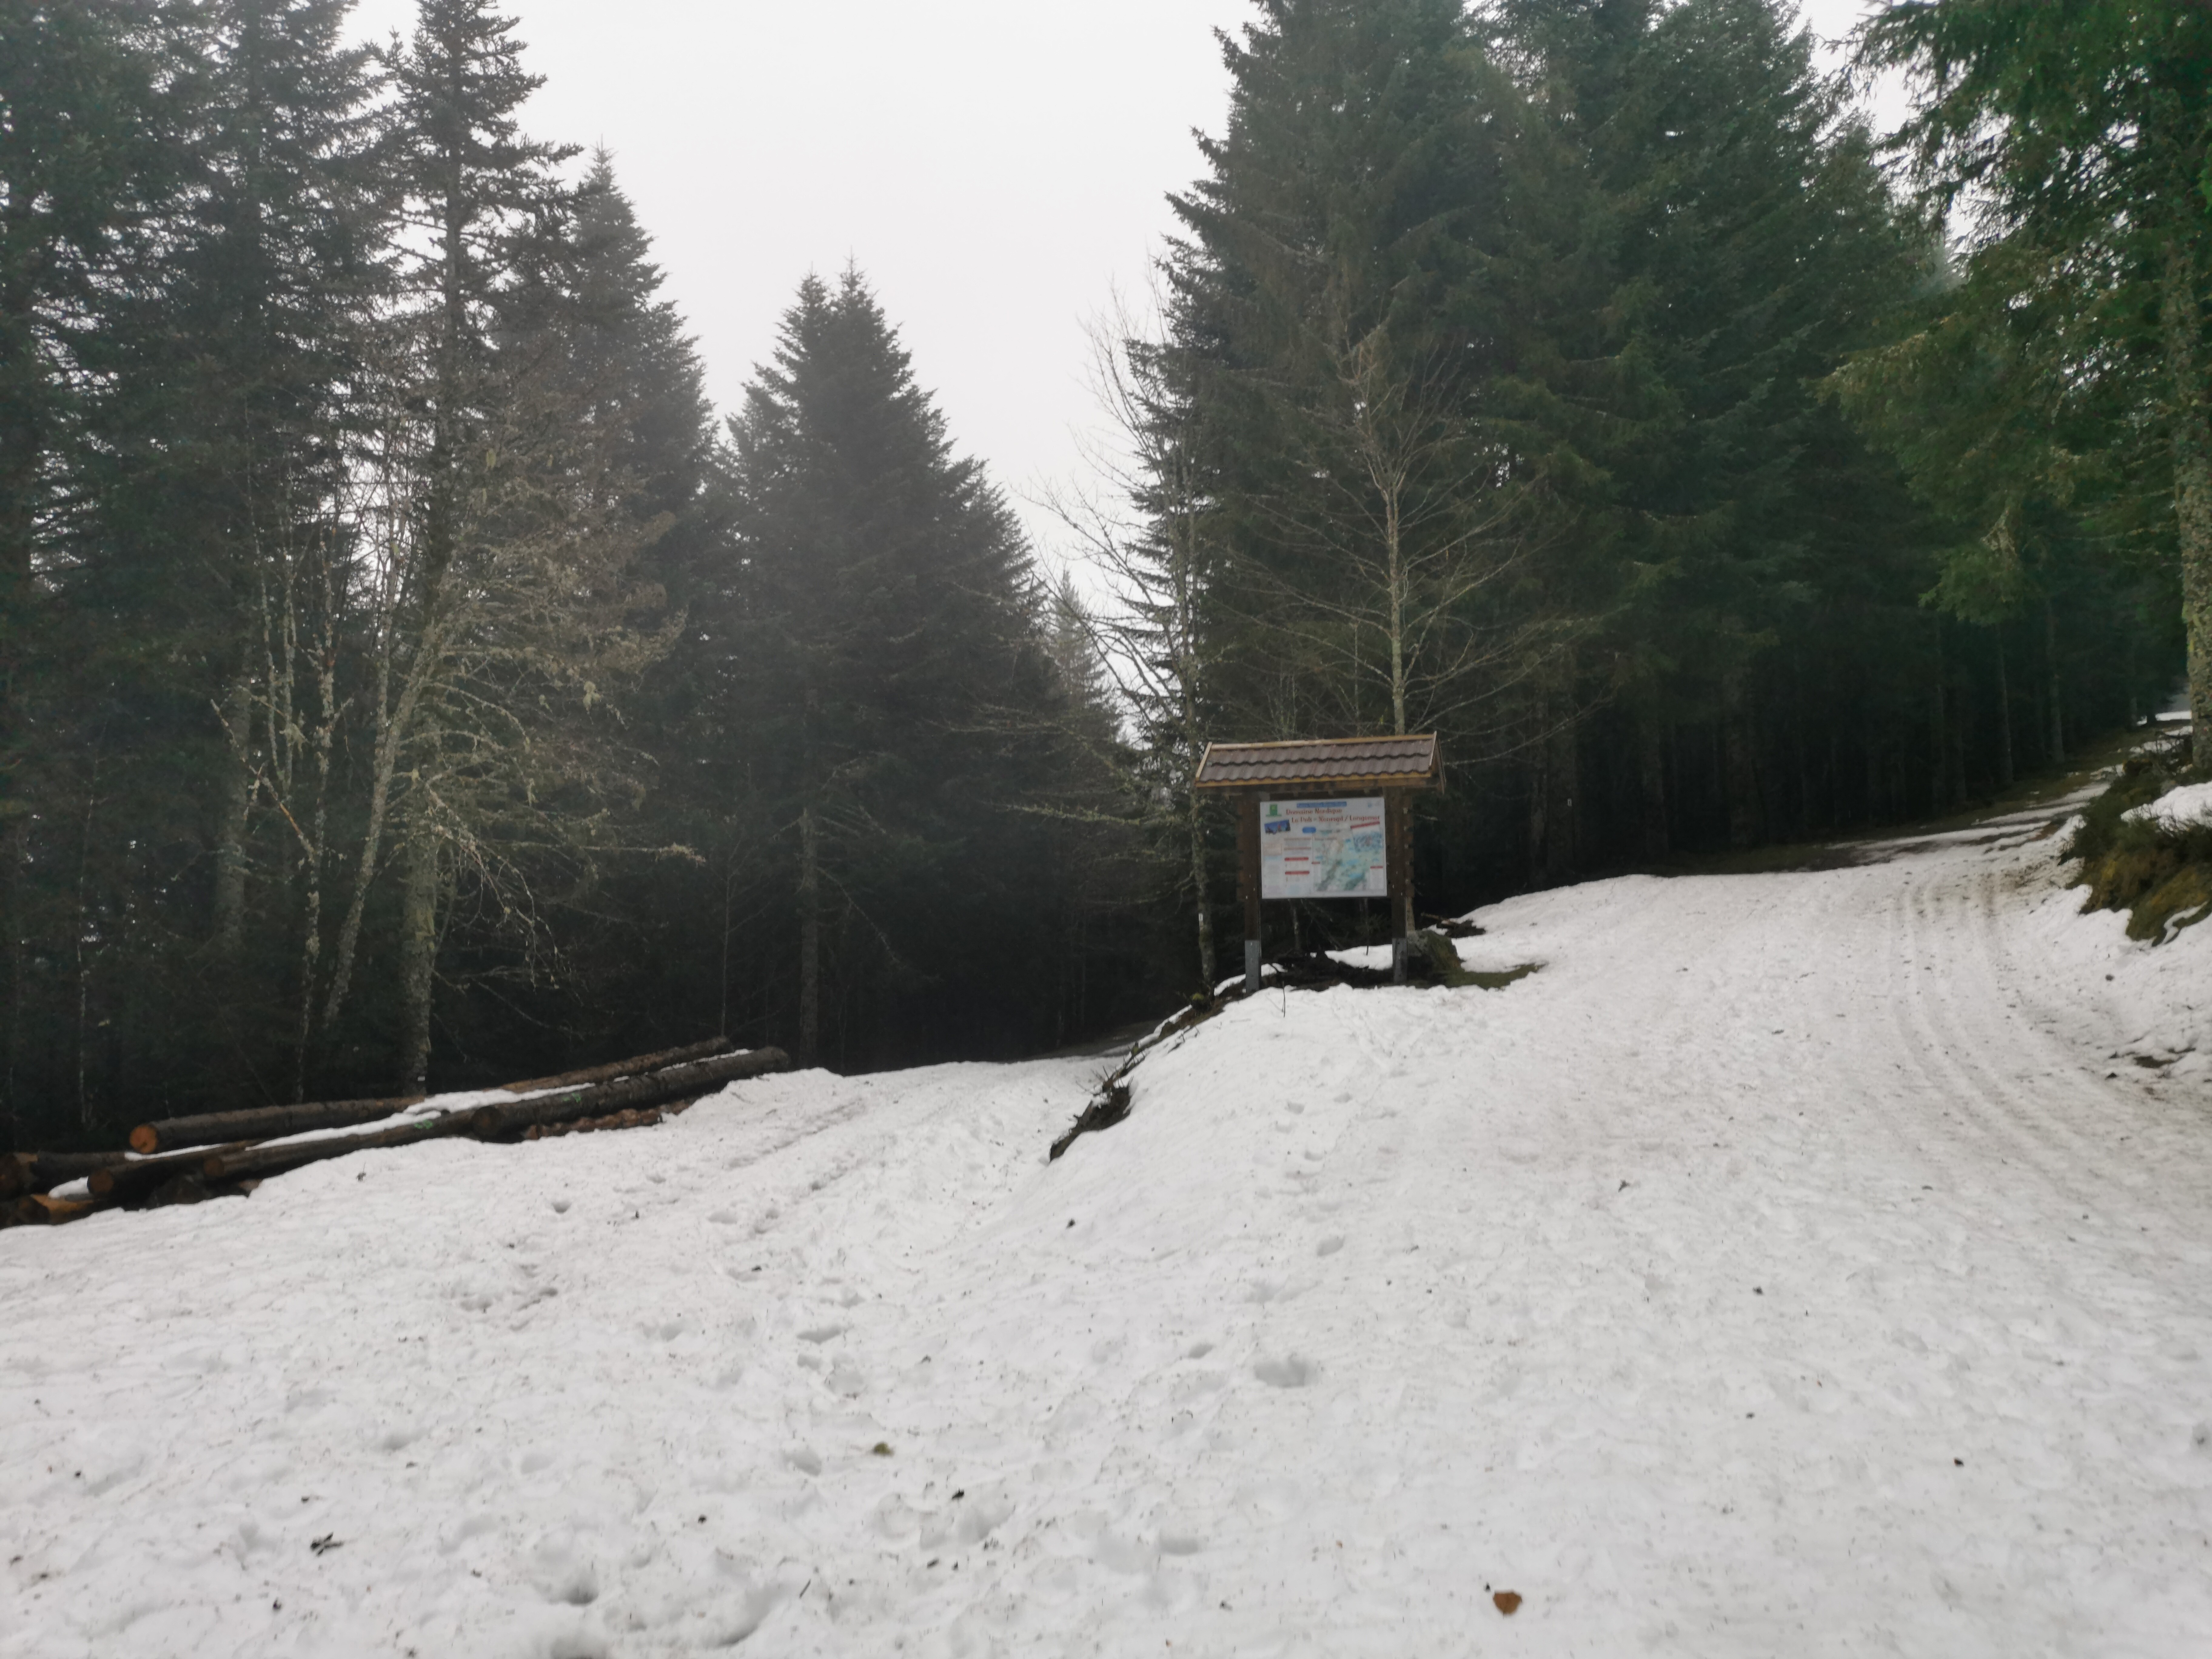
(621,1068)
(1111,1106)
(1434,960)
(262,1122)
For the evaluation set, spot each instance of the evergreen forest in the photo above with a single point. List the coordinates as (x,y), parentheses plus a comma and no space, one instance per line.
(409,681)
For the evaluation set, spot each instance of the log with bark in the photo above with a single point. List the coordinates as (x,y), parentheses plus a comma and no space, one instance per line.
(512,1118)
(274,1122)
(129,1182)
(262,1122)
(670,1083)
(633,1068)
(41,1172)
(260,1162)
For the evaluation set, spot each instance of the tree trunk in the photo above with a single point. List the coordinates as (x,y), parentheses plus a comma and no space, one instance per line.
(1939,738)
(1804,756)
(1553,770)
(1539,806)
(395,725)
(255,1123)
(1959,701)
(1562,774)
(2004,717)
(1394,532)
(1208,969)
(1870,743)
(1739,765)
(2192,486)
(635,1065)
(418,956)
(2056,731)
(22,444)
(810,937)
(230,833)
(1652,759)
(11,960)
(81,931)
(23,441)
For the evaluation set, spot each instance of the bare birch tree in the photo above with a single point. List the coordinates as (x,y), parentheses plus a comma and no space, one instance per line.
(1142,528)
(1393,549)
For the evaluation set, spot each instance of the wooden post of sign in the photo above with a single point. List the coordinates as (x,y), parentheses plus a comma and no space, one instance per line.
(1397,845)
(1248,884)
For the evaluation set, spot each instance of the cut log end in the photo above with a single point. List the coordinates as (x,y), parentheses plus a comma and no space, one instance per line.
(38,1210)
(145,1140)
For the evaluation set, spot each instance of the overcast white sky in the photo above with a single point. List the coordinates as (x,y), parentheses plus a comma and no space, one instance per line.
(996,167)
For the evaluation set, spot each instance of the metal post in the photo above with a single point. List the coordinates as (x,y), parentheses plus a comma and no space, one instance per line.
(1248,883)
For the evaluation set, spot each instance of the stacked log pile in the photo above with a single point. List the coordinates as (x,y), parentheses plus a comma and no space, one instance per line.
(183,1160)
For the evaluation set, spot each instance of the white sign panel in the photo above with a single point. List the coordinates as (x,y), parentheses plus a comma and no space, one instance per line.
(1322,850)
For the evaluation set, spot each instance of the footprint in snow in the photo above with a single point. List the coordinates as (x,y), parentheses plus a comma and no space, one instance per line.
(1330,1245)
(1290,1371)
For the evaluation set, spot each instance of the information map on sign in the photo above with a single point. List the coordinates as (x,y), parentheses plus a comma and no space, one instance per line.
(1322,850)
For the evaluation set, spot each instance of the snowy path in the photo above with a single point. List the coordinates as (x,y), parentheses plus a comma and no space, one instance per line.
(1798,1264)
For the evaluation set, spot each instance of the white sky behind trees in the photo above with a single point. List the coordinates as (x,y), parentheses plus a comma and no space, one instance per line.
(997,168)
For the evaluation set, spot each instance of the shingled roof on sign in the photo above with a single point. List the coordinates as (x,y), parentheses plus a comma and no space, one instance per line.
(1326,763)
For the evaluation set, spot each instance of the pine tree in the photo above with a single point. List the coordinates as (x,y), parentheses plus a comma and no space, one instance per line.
(218,569)
(1341,306)
(881,653)
(84,176)
(1743,241)
(2080,132)
(586,306)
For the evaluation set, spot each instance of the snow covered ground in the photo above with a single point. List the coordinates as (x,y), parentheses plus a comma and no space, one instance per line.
(1799,1264)
(2186,808)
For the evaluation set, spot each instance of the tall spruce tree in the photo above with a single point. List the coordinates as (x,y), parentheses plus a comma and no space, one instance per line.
(222,548)
(86,176)
(1339,301)
(207,353)
(2079,134)
(1743,241)
(587,308)
(882,663)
